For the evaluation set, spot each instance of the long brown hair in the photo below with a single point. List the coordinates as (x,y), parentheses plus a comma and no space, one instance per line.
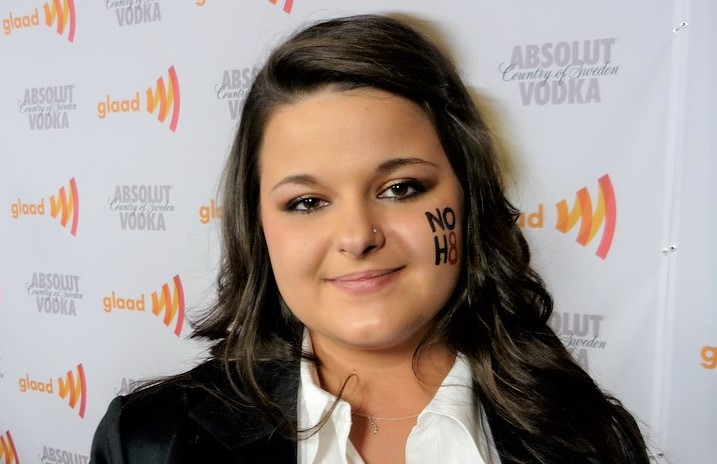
(540,405)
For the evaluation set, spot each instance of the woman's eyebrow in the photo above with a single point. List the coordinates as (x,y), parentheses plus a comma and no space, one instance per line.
(383,168)
(395,163)
(300,179)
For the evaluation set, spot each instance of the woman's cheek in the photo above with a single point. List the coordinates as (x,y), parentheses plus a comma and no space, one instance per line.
(442,222)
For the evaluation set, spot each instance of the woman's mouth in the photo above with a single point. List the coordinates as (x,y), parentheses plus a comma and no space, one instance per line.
(365,282)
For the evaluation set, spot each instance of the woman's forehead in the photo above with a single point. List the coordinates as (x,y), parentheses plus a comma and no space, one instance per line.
(356,128)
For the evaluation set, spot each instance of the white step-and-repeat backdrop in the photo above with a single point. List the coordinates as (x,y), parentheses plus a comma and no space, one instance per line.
(117,116)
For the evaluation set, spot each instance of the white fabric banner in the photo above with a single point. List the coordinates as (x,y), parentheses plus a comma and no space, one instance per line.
(118,117)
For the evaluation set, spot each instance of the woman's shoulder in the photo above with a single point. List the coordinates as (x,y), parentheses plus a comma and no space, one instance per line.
(211,386)
(143,425)
(170,395)
(193,413)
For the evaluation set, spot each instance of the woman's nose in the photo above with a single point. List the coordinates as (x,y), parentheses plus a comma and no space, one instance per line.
(358,233)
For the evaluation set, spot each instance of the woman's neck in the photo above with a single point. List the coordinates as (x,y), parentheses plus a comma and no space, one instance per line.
(383,383)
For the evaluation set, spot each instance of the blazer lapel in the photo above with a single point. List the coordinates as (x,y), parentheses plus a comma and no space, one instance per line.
(243,429)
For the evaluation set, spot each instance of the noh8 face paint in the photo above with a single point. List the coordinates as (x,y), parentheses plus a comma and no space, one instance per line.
(442,224)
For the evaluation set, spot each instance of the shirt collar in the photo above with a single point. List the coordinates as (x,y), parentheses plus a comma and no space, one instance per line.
(455,401)
(314,403)
(454,398)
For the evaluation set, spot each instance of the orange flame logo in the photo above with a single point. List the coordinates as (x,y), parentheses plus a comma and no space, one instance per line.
(171,304)
(288,5)
(7,449)
(73,385)
(590,222)
(166,97)
(65,206)
(62,12)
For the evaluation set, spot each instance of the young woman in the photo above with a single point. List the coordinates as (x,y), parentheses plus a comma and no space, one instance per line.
(376,302)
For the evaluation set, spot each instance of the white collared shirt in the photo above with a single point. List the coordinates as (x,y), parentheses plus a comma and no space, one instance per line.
(447,430)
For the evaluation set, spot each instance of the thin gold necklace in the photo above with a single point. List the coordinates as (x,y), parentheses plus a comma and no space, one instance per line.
(372,420)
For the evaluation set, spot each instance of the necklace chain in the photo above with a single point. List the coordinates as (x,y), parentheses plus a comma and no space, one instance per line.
(372,420)
(386,418)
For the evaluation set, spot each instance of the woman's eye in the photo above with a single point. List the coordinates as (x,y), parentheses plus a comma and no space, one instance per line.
(306,204)
(402,190)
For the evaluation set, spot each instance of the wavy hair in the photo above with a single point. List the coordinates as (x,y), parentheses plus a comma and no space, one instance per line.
(539,404)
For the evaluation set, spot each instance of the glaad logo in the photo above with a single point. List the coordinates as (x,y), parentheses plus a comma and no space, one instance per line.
(142,207)
(55,293)
(709,357)
(61,12)
(209,212)
(560,72)
(131,12)
(604,216)
(167,303)
(288,5)
(578,332)
(171,304)
(71,386)
(234,88)
(591,220)
(52,455)
(58,13)
(163,98)
(47,107)
(7,449)
(65,206)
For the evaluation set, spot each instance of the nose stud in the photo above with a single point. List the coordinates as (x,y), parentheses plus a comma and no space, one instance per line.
(358,243)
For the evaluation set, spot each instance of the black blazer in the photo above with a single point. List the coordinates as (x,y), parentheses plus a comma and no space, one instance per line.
(184,421)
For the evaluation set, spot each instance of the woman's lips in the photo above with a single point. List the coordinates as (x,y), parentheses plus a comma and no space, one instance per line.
(361,283)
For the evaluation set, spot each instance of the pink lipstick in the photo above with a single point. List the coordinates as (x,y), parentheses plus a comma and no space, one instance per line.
(362,283)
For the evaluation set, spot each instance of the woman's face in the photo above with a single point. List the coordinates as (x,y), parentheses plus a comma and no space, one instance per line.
(361,212)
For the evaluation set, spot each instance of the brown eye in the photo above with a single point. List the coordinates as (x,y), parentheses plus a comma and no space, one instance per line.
(306,204)
(399,190)
(402,190)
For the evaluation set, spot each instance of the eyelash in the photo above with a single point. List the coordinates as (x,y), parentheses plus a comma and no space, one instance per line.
(292,206)
(418,189)
(417,186)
